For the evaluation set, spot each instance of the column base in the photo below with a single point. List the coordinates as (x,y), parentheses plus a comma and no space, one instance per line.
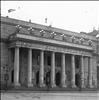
(90,86)
(95,86)
(42,85)
(83,87)
(30,85)
(53,85)
(63,85)
(73,86)
(16,84)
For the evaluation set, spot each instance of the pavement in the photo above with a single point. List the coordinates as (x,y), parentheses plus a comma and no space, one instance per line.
(29,95)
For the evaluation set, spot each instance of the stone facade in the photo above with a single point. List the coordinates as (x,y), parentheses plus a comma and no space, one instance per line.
(98,62)
(96,34)
(35,55)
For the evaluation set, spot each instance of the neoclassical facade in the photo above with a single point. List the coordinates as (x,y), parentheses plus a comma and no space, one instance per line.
(96,34)
(39,56)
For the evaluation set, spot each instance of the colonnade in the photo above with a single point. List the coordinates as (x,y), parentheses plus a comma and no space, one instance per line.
(41,71)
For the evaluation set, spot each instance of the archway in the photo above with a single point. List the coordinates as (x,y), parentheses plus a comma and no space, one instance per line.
(37,78)
(77,80)
(58,78)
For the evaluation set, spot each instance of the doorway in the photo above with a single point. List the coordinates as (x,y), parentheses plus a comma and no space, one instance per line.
(47,79)
(37,78)
(77,80)
(58,78)
(12,76)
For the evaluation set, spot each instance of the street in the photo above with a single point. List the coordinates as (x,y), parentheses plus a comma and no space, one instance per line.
(49,96)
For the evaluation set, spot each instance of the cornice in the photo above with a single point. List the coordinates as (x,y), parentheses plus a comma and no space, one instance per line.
(31,39)
(50,48)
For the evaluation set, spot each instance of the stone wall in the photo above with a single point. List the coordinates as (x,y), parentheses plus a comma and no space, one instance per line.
(98,62)
(6,30)
(4,60)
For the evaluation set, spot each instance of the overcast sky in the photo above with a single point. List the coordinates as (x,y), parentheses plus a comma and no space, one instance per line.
(69,15)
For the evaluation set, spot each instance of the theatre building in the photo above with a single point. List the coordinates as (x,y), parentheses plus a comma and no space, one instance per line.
(38,56)
(96,34)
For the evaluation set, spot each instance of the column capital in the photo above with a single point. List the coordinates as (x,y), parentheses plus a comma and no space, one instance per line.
(82,55)
(30,48)
(42,50)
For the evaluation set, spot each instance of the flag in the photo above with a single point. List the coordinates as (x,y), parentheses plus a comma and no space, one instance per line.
(11,10)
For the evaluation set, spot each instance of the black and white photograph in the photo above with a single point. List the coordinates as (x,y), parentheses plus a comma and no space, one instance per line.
(49,50)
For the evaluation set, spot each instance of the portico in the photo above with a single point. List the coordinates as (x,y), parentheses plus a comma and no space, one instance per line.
(44,57)
(52,68)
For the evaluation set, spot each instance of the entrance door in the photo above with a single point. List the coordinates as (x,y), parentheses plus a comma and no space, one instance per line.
(58,78)
(37,78)
(12,76)
(77,80)
(47,79)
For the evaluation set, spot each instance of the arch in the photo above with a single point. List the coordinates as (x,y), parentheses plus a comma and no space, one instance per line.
(58,78)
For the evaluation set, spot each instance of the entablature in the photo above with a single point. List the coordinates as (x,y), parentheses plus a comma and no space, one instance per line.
(27,37)
(46,47)
(53,37)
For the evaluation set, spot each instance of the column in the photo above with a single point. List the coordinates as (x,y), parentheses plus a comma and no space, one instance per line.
(63,74)
(82,72)
(30,67)
(90,73)
(73,72)
(53,70)
(41,75)
(16,67)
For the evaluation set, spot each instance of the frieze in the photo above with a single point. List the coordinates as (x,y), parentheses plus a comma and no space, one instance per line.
(50,48)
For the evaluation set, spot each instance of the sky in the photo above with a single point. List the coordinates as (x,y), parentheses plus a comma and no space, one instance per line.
(77,16)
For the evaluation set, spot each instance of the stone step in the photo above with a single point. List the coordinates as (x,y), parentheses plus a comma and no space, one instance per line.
(45,89)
